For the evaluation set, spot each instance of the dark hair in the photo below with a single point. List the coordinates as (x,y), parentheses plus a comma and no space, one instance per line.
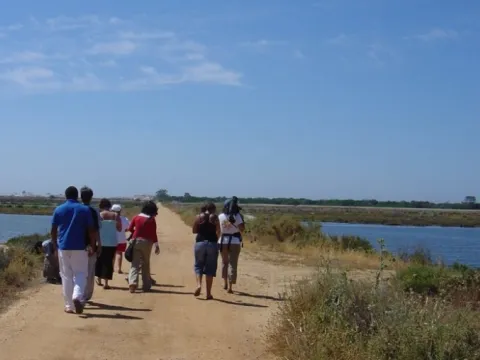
(71,193)
(203,208)
(210,207)
(86,194)
(150,208)
(105,204)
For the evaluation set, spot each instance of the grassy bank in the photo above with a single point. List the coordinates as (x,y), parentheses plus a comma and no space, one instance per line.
(366,215)
(46,208)
(19,265)
(384,216)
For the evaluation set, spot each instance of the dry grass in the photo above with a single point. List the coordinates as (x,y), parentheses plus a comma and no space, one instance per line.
(18,267)
(332,317)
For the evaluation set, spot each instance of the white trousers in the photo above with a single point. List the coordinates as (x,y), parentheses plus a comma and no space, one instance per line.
(90,283)
(73,269)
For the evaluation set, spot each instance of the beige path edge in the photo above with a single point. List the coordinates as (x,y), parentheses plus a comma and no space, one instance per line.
(168,324)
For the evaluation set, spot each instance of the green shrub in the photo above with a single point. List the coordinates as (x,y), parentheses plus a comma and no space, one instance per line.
(331,317)
(422,279)
(27,241)
(419,256)
(348,242)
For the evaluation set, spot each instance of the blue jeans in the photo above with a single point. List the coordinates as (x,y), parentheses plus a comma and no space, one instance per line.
(206,255)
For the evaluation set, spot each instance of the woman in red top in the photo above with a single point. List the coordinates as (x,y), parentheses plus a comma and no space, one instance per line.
(144,230)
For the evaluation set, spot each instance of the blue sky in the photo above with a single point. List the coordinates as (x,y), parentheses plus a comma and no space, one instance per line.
(319,99)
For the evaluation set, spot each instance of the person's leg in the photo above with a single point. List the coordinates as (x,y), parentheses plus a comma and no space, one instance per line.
(67,278)
(233,255)
(99,267)
(135,268)
(90,284)
(80,272)
(224,254)
(146,276)
(109,265)
(119,261)
(210,270)
(199,253)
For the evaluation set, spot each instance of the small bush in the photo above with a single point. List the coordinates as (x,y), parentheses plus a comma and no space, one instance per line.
(347,242)
(27,241)
(19,264)
(422,279)
(331,317)
(419,256)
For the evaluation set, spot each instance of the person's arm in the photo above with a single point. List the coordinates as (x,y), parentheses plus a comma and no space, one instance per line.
(239,223)
(92,231)
(118,222)
(195,224)
(131,228)
(155,239)
(217,227)
(54,230)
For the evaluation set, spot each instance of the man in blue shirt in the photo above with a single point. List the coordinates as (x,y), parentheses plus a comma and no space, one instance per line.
(70,222)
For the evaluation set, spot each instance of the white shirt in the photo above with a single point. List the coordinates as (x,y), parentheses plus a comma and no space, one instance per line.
(226,227)
(121,236)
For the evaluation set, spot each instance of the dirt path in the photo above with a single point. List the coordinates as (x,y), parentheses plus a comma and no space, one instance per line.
(167,324)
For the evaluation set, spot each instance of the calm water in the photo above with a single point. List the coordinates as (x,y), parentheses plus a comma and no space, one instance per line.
(449,244)
(15,225)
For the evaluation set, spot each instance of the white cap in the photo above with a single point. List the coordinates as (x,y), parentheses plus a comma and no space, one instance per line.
(117,208)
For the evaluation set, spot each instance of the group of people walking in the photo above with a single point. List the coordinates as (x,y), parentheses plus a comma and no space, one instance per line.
(86,241)
(217,234)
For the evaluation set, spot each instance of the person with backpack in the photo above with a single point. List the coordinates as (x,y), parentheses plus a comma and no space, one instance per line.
(207,230)
(86,194)
(230,241)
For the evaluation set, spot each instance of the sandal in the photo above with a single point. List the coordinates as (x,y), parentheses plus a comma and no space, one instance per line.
(197,291)
(106,287)
(69,311)
(99,282)
(209,297)
(132,288)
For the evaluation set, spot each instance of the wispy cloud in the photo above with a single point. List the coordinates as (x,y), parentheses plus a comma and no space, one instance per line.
(23,57)
(340,39)
(92,53)
(147,35)
(14,27)
(298,54)
(437,34)
(262,44)
(380,54)
(108,63)
(114,48)
(60,23)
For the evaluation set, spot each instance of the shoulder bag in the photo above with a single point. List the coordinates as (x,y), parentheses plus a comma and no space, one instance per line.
(131,244)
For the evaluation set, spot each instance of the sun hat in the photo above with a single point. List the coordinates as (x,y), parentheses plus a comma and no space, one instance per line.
(117,207)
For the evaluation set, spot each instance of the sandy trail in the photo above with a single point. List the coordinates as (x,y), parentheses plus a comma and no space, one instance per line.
(166,324)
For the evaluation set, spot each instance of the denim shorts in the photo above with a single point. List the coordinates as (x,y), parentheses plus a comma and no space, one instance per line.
(206,255)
